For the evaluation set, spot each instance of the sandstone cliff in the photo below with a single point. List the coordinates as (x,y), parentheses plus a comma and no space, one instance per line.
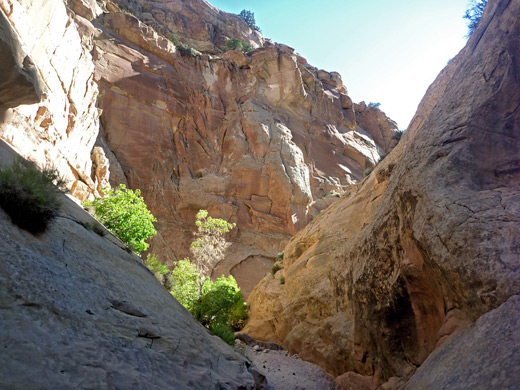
(261,139)
(425,245)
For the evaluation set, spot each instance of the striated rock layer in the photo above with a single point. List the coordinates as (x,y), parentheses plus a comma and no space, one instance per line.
(424,246)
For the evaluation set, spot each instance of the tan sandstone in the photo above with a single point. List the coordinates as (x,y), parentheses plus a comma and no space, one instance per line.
(427,243)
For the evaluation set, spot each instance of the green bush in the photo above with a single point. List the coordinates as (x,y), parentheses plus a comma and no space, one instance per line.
(238,44)
(374,105)
(30,196)
(216,304)
(212,302)
(279,256)
(154,265)
(224,332)
(187,51)
(282,280)
(367,172)
(276,268)
(175,39)
(125,214)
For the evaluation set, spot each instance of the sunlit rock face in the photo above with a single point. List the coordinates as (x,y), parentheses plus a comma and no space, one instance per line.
(427,243)
(59,125)
(260,139)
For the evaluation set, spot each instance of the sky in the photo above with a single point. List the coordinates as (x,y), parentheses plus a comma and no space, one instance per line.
(386,51)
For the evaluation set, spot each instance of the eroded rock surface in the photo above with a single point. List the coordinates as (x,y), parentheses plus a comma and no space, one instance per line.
(426,244)
(259,139)
(79,312)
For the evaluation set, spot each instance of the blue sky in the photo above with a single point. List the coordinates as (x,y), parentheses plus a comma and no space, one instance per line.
(386,51)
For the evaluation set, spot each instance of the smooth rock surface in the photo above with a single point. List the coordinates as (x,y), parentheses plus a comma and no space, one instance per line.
(428,242)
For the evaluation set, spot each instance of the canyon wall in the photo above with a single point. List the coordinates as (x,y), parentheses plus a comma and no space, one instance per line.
(261,139)
(426,244)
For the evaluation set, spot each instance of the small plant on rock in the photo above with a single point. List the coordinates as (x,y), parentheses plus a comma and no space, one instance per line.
(30,196)
(238,44)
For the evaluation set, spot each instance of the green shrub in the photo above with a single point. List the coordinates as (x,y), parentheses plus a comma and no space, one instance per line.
(367,172)
(224,332)
(219,302)
(276,268)
(213,304)
(238,44)
(279,256)
(125,214)
(30,196)
(154,265)
(282,280)
(187,51)
(127,12)
(175,39)
(374,105)
(185,280)
(220,299)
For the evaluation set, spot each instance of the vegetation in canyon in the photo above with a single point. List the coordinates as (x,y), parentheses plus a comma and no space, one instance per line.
(219,305)
(29,195)
(249,17)
(125,214)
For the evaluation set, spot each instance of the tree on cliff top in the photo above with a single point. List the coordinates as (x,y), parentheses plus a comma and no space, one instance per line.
(249,17)
(474,14)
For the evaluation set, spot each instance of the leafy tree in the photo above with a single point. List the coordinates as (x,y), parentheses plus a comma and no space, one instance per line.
(125,214)
(185,284)
(249,17)
(210,245)
(219,305)
(474,14)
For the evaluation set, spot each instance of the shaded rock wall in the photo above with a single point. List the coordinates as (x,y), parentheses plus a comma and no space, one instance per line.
(428,242)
